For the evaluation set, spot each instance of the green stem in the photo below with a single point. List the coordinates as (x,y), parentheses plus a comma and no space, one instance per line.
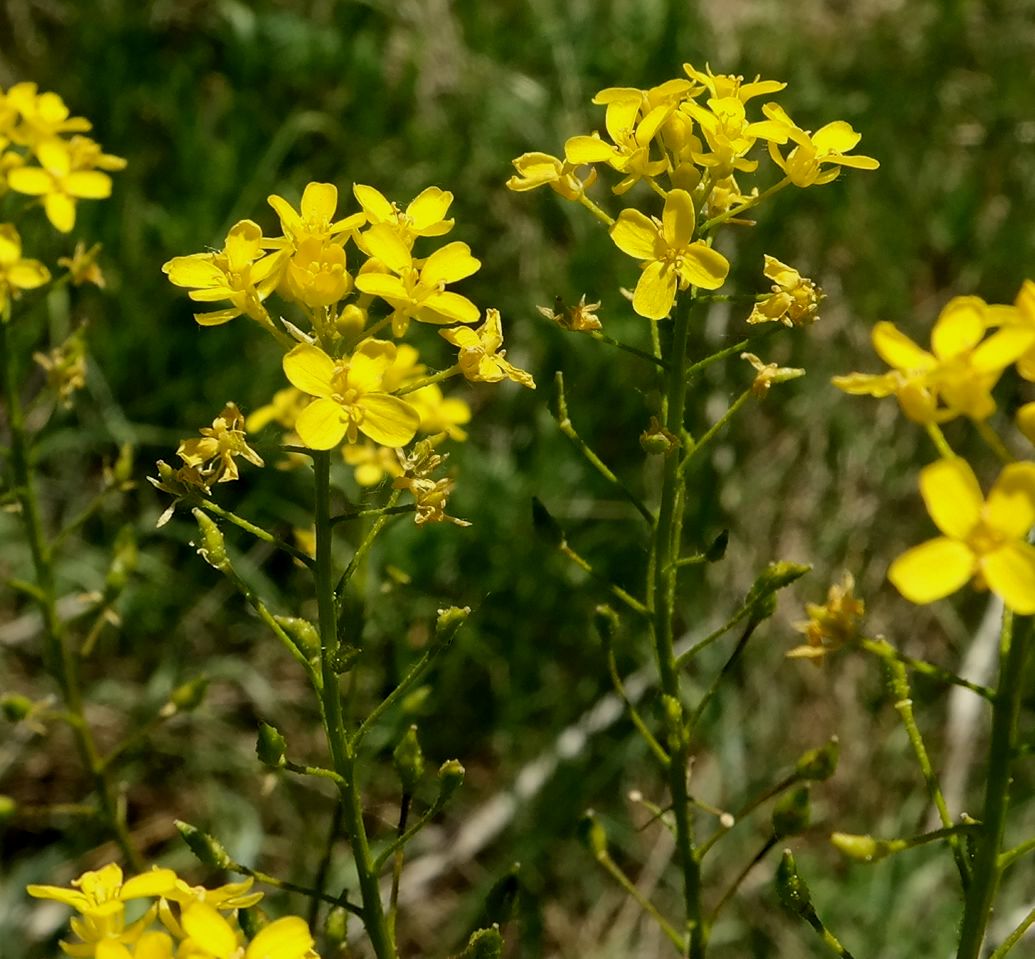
(664,552)
(58,654)
(1015,937)
(994,443)
(428,380)
(884,649)
(716,428)
(1013,650)
(644,903)
(342,755)
(898,681)
(940,442)
(618,344)
(257,531)
(735,350)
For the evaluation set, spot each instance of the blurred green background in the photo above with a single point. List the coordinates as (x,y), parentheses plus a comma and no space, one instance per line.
(217,104)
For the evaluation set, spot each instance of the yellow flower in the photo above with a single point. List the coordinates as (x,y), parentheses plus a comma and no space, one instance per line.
(672,257)
(829,145)
(283,409)
(960,372)
(580,318)
(59,183)
(729,135)
(769,373)
(240,273)
(1022,314)
(424,216)
(429,495)
(984,540)
(417,291)
(832,625)
(210,935)
(438,413)
(316,274)
(314,219)
(541,169)
(82,265)
(480,359)
(349,397)
(370,462)
(213,454)
(42,116)
(16,273)
(794,300)
(728,85)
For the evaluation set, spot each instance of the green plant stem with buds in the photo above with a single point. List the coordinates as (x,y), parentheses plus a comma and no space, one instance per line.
(343,755)
(1014,644)
(59,656)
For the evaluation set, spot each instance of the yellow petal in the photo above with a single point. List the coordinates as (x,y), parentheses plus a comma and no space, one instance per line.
(384,243)
(836,137)
(157,882)
(704,267)
(374,203)
(243,244)
(88,185)
(31,180)
(287,938)
(153,945)
(429,207)
(112,949)
(70,897)
(53,154)
(898,350)
(858,162)
(217,317)
(448,307)
(932,570)
(1002,348)
(678,219)
(60,210)
(1010,574)
(866,384)
(319,201)
(387,420)
(448,264)
(583,149)
(959,327)
(27,275)
(322,424)
(290,221)
(1026,421)
(206,926)
(196,270)
(952,496)
(1010,509)
(310,369)
(635,234)
(387,287)
(655,291)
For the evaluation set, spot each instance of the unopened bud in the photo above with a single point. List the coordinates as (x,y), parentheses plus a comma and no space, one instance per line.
(270,746)
(866,848)
(449,621)
(15,706)
(208,850)
(484,944)
(302,633)
(336,927)
(351,320)
(409,761)
(761,598)
(450,779)
(792,889)
(655,440)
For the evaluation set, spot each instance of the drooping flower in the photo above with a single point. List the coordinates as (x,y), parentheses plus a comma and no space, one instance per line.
(541,169)
(794,300)
(350,397)
(769,373)
(481,360)
(429,494)
(671,256)
(213,454)
(983,540)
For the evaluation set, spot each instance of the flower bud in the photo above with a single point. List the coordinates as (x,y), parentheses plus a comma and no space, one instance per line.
(450,779)
(336,928)
(270,746)
(792,889)
(819,764)
(208,850)
(866,848)
(213,548)
(449,621)
(762,595)
(408,760)
(655,440)
(484,944)
(593,834)
(15,706)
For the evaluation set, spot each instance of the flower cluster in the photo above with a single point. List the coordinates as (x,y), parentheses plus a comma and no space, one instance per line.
(179,920)
(45,153)
(354,384)
(984,541)
(689,139)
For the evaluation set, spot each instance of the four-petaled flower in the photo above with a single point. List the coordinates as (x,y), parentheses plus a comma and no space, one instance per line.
(349,397)
(213,454)
(672,256)
(828,146)
(984,540)
(314,219)
(481,360)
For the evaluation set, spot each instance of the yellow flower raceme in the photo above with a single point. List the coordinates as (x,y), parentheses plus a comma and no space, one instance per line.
(828,146)
(314,220)
(41,116)
(672,257)
(794,300)
(350,397)
(541,169)
(417,290)
(59,183)
(240,273)
(959,372)
(480,359)
(16,272)
(984,540)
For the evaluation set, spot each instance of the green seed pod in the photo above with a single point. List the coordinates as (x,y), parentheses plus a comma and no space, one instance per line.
(450,779)
(408,760)
(344,658)
(208,850)
(792,813)
(302,633)
(819,764)
(793,890)
(213,548)
(270,746)
(336,927)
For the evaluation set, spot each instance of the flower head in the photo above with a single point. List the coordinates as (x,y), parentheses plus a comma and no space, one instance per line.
(424,216)
(983,540)
(213,454)
(672,258)
(827,147)
(16,272)
(481,360)
(794,299)
(314,220)
(350,397)
(541,169)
